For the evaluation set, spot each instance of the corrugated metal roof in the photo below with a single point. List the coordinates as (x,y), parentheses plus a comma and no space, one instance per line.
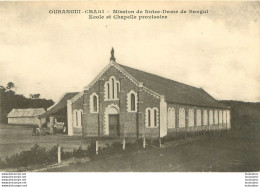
(27,112)
(62,103)
(174,92)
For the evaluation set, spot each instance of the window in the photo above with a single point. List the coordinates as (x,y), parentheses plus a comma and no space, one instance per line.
(132,101)
(112,89)
(171,118)
(81,116)
(228,117)
(93,103)
(216,117)
(205,117)
(155,118)
(181,117)
(220,117)
(77,118)
(211,117)
(191,117)
(224,117)
(198,117)
(107,94)
(151,117)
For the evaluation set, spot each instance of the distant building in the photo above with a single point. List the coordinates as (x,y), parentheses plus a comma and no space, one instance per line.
(29,116)
(125,102)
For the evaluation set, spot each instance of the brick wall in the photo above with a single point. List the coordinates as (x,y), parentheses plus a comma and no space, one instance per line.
(131,123)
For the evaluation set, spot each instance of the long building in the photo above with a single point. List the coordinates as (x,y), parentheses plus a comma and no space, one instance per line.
(125,102)
(28,116)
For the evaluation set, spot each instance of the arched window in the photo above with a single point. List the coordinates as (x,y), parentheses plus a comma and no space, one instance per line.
(107,91)
(79,116)
(132,102)
(112,89)
(94,103)
(181,117)
(205,117)
(211,117)
(151,117)
(216,117)
(191,117)
(155,117)
(198,117)
(171,118)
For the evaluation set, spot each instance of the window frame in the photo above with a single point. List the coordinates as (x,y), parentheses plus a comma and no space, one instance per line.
(182,111)
(91,103)
(171,118)
(151,121)
(130,102)
(112,89)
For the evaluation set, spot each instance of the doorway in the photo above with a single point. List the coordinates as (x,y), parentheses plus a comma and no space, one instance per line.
(113,124)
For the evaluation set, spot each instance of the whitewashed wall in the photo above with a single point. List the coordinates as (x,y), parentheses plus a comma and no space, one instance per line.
(23,121)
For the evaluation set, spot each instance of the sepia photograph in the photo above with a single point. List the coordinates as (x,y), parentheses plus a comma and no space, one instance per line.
(129,87)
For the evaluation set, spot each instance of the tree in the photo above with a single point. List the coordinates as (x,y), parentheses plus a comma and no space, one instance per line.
(10,86)
(2,88)
(35,96)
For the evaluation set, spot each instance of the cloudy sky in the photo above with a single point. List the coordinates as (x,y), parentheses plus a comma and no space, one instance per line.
(52,54)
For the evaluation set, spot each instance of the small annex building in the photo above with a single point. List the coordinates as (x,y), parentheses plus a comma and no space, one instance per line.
(28,116)
(125,102)
(57,113)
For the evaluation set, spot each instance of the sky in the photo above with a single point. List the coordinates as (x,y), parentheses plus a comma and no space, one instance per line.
(55,53)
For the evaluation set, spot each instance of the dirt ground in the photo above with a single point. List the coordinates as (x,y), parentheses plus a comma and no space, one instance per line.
(14,139)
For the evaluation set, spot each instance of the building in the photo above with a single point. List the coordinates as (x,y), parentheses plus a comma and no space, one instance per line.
(57,113)
(29,116)
(125,102)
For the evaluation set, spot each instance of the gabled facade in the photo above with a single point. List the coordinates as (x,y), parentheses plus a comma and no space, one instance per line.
(125,102)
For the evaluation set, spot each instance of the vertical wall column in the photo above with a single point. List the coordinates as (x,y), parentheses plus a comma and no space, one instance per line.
(163,117)
(140,111)
(122,107)
(85,107)
(101,110)
(69,117)
(51,124)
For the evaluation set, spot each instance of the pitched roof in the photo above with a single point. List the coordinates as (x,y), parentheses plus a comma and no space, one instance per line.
(27,112)
(60,104)
(174,92)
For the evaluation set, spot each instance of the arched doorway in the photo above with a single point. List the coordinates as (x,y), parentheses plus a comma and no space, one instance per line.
(112,121)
